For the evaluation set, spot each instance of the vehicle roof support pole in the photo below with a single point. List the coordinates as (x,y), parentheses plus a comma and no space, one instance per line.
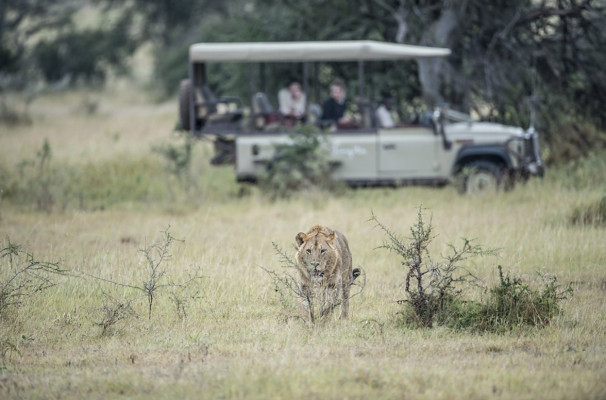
(251,88)
(362,103)
(314,96)
(306,85)
(361,79)
(262,84)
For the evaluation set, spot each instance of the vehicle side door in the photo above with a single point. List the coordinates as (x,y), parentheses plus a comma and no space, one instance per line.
(408,153)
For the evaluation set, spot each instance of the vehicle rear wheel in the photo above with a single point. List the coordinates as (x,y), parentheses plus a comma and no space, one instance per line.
(185,90)
(480,178)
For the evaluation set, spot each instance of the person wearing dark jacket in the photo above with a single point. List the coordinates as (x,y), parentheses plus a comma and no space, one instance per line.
(333,109)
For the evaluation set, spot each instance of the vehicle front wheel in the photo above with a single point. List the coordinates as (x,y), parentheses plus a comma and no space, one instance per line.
(480,178)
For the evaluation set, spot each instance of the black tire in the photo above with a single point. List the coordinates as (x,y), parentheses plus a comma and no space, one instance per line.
(185,89)
(480,177)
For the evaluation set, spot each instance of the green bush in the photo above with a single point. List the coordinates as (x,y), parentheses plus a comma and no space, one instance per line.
(300,165)
(513,303)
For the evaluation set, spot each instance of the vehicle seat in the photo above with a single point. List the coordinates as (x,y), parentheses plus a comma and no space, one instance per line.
(315,113)
(266,117)
(215,111)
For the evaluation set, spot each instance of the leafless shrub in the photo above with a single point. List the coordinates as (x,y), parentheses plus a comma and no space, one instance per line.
(156,278)
(314,304)
(7,350)
(180,296)
(114,309)
(22,276)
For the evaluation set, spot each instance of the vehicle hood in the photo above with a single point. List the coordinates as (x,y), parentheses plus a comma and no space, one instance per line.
(481,130)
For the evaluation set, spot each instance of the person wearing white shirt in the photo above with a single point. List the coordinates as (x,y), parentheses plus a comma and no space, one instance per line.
(292,101)
(383,115)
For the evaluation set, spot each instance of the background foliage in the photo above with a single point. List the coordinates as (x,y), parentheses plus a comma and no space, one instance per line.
(510,60)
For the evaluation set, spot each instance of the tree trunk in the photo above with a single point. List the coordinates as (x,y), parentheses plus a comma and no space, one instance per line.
(434,71)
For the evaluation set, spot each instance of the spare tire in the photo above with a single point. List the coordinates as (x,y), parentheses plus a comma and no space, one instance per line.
(185,90)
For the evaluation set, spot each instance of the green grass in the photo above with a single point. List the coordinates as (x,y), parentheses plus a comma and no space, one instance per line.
(234,342)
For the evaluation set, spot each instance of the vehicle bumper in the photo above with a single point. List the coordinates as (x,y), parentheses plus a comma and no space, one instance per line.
(532,161)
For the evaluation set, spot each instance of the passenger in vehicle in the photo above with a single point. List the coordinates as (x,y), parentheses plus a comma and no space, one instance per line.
(333,109)
(292,103)
(383,115)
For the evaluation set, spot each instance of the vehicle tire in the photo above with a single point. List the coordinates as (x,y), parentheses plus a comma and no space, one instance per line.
(185,89)
(480,178)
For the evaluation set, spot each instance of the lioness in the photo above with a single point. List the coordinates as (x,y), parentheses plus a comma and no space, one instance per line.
(324,258)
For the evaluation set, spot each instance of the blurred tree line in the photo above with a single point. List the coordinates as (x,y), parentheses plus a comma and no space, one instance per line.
(510,59)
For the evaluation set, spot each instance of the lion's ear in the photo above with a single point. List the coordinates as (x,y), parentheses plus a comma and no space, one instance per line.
(300,238)
(332,236)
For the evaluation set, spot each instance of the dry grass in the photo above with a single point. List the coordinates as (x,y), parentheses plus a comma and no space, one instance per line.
(233,343)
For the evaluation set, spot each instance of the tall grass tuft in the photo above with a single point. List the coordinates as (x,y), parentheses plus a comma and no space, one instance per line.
(42,183)
(178,162)
(582,173)
(593,214)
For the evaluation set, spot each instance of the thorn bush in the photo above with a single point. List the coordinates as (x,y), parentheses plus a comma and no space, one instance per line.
(434,289)
(431,287)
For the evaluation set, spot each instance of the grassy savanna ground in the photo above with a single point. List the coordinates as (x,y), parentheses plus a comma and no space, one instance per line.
(234,341)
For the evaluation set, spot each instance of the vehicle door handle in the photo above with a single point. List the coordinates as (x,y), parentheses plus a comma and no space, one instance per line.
(389,147)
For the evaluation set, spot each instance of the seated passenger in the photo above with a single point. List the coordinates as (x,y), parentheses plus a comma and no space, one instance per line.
(383,115)
(292,102)
(333,109)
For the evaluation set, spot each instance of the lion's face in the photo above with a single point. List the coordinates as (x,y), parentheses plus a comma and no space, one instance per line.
(317,254)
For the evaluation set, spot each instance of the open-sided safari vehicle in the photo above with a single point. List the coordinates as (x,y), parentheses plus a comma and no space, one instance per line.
(437,148)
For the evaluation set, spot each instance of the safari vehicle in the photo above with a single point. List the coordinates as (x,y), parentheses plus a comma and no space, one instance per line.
(443,146)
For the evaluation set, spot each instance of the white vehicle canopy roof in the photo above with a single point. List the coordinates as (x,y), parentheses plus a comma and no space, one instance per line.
(347,50)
